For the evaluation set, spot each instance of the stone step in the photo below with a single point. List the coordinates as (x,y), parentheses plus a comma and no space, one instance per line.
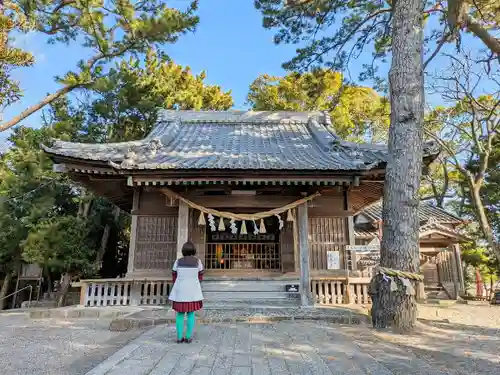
(246,285)
(437,295)
(152,317)
(242,295)
(440,301)
(254,304)
(433,289)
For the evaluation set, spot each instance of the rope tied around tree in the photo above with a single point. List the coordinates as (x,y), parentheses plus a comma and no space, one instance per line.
(398,273)
(390,276)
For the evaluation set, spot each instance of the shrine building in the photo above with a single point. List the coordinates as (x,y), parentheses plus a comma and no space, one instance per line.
(268,198)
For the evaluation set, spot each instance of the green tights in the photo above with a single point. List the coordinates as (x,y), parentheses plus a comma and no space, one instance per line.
(179,324)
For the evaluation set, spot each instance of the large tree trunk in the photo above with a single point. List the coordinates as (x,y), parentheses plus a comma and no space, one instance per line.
(105,237)
(5,289)
(484,223)
(400,243)
(63,291)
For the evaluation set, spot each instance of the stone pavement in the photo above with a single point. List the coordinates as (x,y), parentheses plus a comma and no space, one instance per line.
(305,348)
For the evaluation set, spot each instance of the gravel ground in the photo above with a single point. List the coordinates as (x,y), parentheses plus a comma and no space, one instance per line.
(55,346)
(458,339)
(486,316)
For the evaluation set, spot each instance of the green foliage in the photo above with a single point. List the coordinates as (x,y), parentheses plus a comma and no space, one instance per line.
(107,30)
(467,131)
(61,244)
(39,209)
(11,57)
(355,111)
(127,102)
(491,190)
(480,258)
(29,192)
(336,32)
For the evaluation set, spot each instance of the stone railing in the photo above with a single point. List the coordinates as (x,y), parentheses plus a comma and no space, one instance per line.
(124,292)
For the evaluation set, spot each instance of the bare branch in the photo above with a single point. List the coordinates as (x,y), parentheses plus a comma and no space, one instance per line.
(446,36)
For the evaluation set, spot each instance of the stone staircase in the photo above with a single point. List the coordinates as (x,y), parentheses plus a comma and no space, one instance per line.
(435,292)
(249,292)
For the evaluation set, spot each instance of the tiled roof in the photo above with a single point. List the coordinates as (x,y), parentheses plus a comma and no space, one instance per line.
(367,234)
(234,140)
(426,212)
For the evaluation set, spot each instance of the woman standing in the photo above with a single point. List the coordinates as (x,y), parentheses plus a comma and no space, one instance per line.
(186,295)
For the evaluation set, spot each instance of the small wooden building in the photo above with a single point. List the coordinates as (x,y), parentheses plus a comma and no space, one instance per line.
(440,238)
(267,197)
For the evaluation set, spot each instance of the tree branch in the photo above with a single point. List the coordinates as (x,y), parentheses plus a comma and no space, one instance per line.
(34,108)
(489,40)
(444,39)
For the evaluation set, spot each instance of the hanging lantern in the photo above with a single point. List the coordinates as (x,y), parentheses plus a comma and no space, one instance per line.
(262,226)
(222,227)
(289,216)
(201,219)
(243,229)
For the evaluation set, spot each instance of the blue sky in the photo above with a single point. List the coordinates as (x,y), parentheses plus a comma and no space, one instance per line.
(230,44)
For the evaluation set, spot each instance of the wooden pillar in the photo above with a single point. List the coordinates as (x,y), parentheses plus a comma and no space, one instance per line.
(296,255)
(450,266)
(303,231)
(133,230)
(350,233)
(182,227)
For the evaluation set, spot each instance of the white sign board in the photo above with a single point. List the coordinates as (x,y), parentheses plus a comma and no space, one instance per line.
(368,259)
(363,248)
(333,260)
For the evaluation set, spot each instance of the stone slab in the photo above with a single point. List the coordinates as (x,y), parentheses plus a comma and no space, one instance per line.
(262,315)
(297,348)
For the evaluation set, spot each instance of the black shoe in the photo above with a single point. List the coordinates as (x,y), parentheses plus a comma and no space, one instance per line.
(180,341)
(188,341)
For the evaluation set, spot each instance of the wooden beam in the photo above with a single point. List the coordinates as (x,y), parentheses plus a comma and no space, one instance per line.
(305,280)
(182,227)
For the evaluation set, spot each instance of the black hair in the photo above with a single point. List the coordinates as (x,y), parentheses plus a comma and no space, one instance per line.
(188,249)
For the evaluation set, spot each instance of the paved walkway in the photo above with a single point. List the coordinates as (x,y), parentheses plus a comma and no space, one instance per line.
(302,348)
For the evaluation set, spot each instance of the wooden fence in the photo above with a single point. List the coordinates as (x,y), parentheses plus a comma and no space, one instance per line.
(122,292)
(127,292)
(336,292)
